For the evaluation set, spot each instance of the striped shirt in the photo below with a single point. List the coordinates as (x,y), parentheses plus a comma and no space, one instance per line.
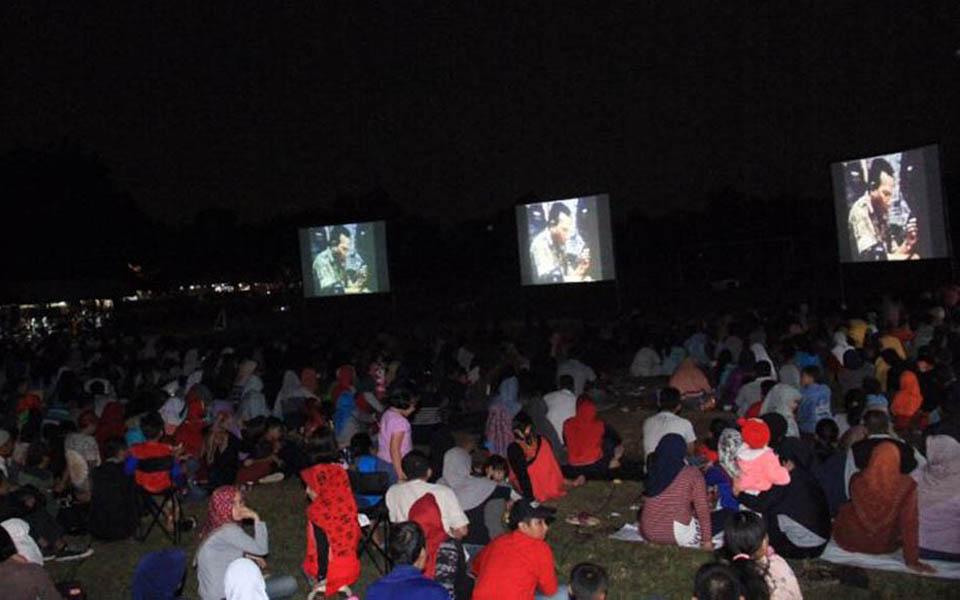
(683,498)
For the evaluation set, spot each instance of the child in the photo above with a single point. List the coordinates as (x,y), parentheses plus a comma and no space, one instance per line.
(747,551)
(364,462)
(815,403)
(828,437)
(152,452)
(707,450)
(760,469)
(496,468)
(113,508)
(588,582)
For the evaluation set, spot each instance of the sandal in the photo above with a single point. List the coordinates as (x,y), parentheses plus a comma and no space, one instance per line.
(583,519)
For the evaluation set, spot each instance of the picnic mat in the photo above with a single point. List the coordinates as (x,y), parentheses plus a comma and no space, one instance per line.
(886,562)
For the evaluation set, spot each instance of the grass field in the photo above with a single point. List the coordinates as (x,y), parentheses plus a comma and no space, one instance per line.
(637,570)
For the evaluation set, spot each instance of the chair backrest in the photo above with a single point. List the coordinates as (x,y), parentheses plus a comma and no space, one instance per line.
(160,464)
(369,484)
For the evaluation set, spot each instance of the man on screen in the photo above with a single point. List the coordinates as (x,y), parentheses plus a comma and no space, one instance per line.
(331,270)
(876,238)
(550,250)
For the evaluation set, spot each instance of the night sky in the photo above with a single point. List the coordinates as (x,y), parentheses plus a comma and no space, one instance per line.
(459,111)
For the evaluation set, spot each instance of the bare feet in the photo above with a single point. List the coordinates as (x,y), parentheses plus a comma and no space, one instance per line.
(921,567)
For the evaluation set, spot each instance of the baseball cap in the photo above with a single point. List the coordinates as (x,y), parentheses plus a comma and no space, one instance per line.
(525,509)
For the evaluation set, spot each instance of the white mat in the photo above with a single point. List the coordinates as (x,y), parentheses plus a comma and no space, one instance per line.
(886,562)
(631,533)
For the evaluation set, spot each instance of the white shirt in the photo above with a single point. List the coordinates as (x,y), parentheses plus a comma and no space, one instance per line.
(580,372)
(561,405)
(401,496)
(662,423)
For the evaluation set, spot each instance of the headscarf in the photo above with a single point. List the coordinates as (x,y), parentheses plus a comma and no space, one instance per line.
(783,400)
(938,481)
(668,461)
(877,492)
(583,434)
(245,370)
(190,432)
(111,424)
(252,402)
(19,532)
(800,453)
(507,395)
(426,513)
(292,388)
(219,509)
(689,379)
(158,575)
(778,428)
(840,346)
(470,491)
(727,447)
(908,399)
(191,361)
(857,330)
(761,355)
(334,510)
(344,382)
(244,581)
(891,342)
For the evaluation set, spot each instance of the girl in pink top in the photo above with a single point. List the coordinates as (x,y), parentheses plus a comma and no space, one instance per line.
(394,439)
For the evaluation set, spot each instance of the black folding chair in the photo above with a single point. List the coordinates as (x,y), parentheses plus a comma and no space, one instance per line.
(374,484)
(148,504)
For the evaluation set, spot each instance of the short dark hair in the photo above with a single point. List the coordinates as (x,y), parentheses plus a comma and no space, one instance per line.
(401,399)
(762,368)
(766,385)
(566,382)
(497,463)
(587,580)
(321,447)
(716,581)
(338,230)
(828,430)
(114,446)
(406,543)
(415,465)
(812,371)
(360,444)
(151,424)
(557,209)
(878,166)
(876,421)
(669,398)
(522,420)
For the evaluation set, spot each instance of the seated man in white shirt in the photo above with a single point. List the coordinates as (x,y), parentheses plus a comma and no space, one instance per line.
(401,496)
(666,421)
(561,404)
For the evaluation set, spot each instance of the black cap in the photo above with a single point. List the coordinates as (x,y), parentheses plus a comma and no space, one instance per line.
(525,509)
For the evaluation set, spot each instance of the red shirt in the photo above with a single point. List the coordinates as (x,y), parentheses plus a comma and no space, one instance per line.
(512,567)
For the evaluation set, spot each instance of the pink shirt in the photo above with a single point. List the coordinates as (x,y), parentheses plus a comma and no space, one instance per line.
(391,423)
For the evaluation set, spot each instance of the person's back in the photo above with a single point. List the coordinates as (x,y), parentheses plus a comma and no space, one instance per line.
(113,510)
(406,581)
(561,404)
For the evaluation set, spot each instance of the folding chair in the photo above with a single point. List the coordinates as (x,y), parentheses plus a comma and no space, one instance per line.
(373,484)
(148,505)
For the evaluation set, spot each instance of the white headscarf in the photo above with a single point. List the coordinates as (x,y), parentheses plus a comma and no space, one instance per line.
(783,400)
(244,581)
(252,403)
(19,532)
(761,355)
(471,491)
(840,346)
(292,388)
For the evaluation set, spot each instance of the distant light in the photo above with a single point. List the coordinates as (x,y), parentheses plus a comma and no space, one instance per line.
(130,298)
(60,304)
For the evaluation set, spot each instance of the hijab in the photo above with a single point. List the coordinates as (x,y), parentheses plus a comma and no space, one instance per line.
(761,355)
(219,510)
(158,575)
(244,581)
(908,399)
(19,532)
(782,400)
(252,402)
(938,481)
(190,432)
(795,450)
(426,513)
(840,346)
(727,447)
(471,491)
(891,342)
(333,510)
(583,434)
(668,461)
(507,395)
(689,379)
(877,492)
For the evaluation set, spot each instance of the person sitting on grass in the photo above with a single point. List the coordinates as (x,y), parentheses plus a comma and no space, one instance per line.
(223,540)
(113,507)
(588,582)
(675,511)
(401,496)
(406,581)
(481,499)
(594,448)
(19,578)
(515,565)
(746,549)
(534,471)
(331,562)
(160,575)
(715,581)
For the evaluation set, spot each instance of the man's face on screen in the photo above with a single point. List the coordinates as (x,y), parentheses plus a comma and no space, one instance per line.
(343,247)
(882,197)
(563,229)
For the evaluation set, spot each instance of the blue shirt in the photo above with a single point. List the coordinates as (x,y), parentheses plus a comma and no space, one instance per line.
(814,405)
(406,582)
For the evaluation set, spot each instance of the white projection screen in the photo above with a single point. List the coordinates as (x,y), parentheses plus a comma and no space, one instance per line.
(565,241)
(344,259)
(890,207)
